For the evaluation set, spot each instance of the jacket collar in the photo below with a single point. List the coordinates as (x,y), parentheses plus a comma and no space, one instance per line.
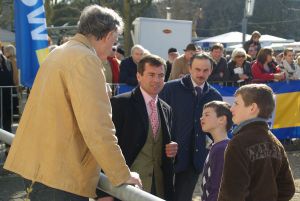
(82,39)
(247,122)
(186,82)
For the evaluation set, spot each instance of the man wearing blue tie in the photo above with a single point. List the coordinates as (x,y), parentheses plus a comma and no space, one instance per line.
(186,96)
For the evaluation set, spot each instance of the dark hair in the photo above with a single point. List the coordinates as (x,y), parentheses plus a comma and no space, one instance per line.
(121,51)
(201,56)
(222,109)
(151,59)
(99,21)
(172,49)
(263,53)
(217,46)
(260,94)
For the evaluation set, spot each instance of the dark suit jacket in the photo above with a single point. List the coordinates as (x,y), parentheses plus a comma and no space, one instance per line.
(131,121)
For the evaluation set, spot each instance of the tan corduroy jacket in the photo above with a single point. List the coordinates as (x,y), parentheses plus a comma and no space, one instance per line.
(66,131)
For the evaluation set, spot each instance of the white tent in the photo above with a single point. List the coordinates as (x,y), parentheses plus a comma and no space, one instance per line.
(7,36)
(274,46)
(294,45)
(235,38)
(273,39)
(230,37)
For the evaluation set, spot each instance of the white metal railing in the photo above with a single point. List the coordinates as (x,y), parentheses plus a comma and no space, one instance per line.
(124,192)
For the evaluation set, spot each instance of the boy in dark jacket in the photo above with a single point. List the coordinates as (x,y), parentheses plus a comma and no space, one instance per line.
(217,120)
(256,166)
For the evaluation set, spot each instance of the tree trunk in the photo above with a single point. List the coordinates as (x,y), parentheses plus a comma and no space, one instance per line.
(127,27)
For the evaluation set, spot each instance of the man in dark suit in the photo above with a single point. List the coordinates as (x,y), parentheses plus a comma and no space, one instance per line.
(143,123)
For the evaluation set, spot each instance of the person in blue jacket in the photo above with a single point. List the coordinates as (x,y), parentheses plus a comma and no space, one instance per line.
(186,96)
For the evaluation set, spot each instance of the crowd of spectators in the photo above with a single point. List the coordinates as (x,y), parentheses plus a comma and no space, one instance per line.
(143,117)
(250,64)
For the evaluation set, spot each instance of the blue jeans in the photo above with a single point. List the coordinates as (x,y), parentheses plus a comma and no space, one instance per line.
(41,192)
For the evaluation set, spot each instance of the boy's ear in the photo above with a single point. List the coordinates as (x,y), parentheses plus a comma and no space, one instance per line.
(254,109)
(222,119)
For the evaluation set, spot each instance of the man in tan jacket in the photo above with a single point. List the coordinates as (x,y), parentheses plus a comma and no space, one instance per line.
(66,131)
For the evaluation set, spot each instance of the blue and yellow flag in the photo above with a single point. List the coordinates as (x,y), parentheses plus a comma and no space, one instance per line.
(31,38)
(285,121)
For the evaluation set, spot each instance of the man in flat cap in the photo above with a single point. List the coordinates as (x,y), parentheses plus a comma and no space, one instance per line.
(180,66)
(172,55)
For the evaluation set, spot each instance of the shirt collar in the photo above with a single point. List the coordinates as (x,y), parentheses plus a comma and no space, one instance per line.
(147,97)
(244,123)
(195,85)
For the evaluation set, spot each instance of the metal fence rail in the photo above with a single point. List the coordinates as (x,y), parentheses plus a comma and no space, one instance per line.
(9,105)
(124,192)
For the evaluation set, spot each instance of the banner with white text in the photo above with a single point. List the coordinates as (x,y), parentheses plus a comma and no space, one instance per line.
(31,38)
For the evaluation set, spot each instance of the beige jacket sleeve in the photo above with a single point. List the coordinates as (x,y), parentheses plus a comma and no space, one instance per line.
(92,109)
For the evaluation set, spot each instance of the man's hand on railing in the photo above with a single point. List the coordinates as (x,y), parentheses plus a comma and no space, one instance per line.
(135,180)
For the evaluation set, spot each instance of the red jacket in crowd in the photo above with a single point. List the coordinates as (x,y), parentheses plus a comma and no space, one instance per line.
(261,75)
(114,69)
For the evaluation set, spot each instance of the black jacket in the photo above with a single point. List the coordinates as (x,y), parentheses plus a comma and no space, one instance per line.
(235,77)
(249,42)
(131,121)
(220,71)
(128,70)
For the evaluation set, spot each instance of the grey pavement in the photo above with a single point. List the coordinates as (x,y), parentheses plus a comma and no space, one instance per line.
(12,186)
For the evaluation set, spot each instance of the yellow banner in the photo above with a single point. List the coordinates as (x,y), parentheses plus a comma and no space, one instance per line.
(287,112)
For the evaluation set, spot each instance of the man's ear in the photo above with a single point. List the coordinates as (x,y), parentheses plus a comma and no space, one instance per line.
(107,36)
(138,76)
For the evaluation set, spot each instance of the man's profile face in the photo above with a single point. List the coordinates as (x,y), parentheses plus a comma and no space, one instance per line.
(200,70)
(108,41)
(152,79)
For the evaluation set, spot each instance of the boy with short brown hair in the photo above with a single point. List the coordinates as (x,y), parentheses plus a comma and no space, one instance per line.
(256,166)
(217,120)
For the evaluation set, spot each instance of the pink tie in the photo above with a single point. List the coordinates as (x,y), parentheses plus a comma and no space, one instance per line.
(154,117)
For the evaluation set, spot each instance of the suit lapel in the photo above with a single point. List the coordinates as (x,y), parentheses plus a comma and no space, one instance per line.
(163,119)
(140,107)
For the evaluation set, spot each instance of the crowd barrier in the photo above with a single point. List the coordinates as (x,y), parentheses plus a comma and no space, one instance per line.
(9,105)
(285,121)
